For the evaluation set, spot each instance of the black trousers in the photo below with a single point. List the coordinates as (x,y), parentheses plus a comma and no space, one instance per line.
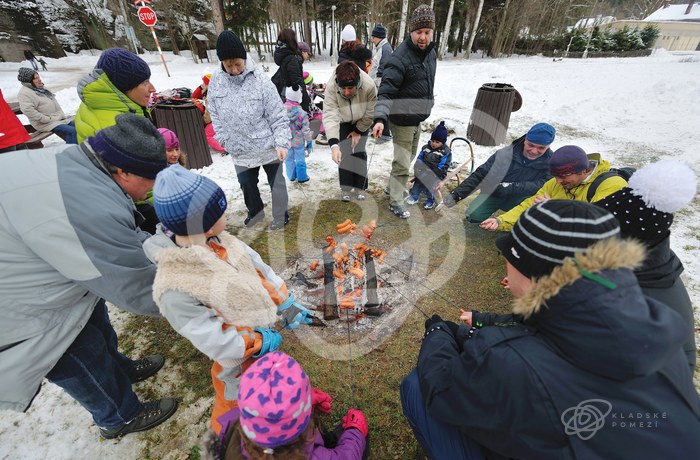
(248,179)
(352,170)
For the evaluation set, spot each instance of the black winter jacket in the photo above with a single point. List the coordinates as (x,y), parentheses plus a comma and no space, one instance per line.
(405,96)
(516,389)
(660,278)
(359,56)
(508,164)
(290,72)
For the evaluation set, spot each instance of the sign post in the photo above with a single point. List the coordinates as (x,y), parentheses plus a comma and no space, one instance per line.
(148,17)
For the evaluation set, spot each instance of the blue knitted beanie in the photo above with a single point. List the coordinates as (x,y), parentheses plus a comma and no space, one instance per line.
(440,133)
(187,203)
(124,69)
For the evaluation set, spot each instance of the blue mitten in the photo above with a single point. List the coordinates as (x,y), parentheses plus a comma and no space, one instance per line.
(271,341)
(293,313)
(309,148)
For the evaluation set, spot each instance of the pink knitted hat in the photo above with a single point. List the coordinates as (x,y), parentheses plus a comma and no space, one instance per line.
(171,140)
(275,400)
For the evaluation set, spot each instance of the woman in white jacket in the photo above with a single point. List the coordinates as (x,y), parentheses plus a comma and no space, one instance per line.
(250,122)
(41,107)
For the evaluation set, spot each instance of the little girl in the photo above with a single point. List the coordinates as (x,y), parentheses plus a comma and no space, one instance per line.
(211,287)
(275,418)
(172,147)
(301,134)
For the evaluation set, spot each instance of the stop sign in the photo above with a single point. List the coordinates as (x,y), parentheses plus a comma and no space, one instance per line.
(147,16)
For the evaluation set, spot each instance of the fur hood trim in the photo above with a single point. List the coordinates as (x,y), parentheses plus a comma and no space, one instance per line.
(609,254)
(235,290)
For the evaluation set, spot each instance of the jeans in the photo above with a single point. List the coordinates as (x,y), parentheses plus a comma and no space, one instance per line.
(352,170)
(94,373)
(419,188)
(296,164)
(406,140)
(437,439)
(67,132)
(248,179)
(484,205)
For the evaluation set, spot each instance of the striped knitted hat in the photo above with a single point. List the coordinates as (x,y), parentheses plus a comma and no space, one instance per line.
(548,233)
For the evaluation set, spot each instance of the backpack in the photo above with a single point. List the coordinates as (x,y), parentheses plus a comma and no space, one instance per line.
(624,172)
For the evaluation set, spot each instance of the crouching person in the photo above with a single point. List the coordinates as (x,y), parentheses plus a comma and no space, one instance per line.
(590,343)
(277,418)
(211,287)
(77,246)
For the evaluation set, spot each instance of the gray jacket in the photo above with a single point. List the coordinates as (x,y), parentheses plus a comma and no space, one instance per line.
(380,55)
(67,238)
(248,116)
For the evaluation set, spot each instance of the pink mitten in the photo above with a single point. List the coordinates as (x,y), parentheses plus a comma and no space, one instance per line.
(321,401)
(356,419)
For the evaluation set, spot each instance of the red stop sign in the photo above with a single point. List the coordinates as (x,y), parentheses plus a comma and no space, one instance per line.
(147,16)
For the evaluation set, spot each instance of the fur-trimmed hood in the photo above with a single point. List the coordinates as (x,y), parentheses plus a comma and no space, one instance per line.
(611,331)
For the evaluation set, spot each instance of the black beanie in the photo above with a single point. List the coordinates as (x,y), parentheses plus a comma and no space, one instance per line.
(548,233)
(229,46)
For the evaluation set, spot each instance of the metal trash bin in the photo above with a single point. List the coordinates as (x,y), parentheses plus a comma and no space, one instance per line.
(185,120)
(491,113)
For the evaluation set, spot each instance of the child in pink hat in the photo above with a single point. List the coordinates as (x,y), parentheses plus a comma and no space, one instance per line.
(172,148)
(275,417)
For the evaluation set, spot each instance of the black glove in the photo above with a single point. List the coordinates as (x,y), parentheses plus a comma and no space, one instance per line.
(454,327)
(448,200)
(430,322)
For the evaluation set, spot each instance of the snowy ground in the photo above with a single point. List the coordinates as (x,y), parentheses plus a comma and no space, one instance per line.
(633,111)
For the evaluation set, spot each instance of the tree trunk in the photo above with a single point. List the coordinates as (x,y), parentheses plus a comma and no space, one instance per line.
(446,33)
(501,33)
(217,15)
(475,27)
(402,27)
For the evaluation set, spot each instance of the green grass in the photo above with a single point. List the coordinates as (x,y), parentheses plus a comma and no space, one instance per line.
(369,382)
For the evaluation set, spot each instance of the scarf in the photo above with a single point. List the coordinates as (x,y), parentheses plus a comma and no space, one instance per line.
(41,91)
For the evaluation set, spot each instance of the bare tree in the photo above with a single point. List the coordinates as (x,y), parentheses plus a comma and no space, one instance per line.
(446,33)
(217,15)
(404,13)
(475,27)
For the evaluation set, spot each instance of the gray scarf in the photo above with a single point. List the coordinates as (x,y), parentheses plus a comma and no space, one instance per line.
(41,91)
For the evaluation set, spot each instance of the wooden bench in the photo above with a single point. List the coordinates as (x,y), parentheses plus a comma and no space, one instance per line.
(35,137)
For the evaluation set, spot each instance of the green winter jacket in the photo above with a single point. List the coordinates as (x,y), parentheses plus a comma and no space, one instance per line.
(101,103)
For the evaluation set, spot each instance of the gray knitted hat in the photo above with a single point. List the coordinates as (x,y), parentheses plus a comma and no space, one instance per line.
(132,144)
(26,75)
(423,17)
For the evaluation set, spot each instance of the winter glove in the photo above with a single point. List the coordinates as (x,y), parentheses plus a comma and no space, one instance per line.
(293,313)
(430,322)
(356,419)
(309,148)
(321,401)
(271,341)
(448,200)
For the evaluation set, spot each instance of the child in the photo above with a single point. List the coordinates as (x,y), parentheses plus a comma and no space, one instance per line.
(301,134)
(275,418)
(211,287)
(315,110)
(172,148)
(431,166)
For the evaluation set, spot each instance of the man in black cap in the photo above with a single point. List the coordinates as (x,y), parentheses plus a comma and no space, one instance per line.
(405,99)
(594,369)
(69,241)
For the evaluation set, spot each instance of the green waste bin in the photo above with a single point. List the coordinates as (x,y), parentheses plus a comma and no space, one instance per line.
(491,113)
(185,120)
